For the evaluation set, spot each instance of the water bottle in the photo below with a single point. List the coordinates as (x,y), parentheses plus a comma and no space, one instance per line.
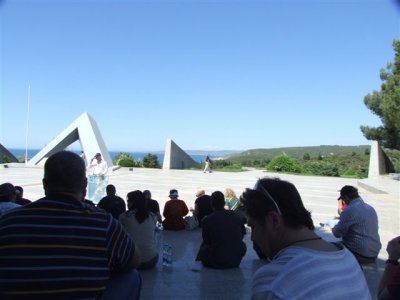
(167,255)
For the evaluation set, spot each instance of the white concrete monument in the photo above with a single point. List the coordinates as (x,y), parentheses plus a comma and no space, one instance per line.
(6,156)
(176,158)
(85,130)
(377,164)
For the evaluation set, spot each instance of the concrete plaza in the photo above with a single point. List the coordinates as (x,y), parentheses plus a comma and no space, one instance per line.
(188,279)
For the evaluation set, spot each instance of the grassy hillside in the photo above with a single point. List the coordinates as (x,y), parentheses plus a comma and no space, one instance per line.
(297,152)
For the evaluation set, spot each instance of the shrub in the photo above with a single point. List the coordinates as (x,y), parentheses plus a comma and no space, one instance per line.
(321,168)
(126,162)
(151,161)
(306,156)
(123,159)
(283,163)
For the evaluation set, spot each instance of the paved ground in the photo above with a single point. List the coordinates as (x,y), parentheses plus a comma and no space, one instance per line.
(187,279)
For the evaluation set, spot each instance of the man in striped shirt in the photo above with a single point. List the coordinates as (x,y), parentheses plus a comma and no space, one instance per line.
(59,248)
(302,266)
(358,226)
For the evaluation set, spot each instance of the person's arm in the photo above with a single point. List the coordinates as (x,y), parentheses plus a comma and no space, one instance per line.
(184,208)
(166,210)
(122,253)
(345,222)
(391,271)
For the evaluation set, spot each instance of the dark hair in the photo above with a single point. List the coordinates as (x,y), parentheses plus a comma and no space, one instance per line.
(19,188)
(65,171)
(138,202)
(217,200)
(147,193)
(287,198)
(110,189)
(7,190)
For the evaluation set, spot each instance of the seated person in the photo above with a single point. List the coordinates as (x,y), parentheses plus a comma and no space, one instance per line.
(174,211)
(7,198)
(389,287)
(358,226)
(302,265)
(202,206)
(112,203)
(231,201)
(331,223)
(140,223)
(64,249)
(20,196)
(223,233)
(153,205)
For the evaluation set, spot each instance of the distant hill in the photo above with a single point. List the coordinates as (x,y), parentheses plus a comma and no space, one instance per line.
(296,152)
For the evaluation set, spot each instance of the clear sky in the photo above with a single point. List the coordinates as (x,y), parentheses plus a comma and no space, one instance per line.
(211,75)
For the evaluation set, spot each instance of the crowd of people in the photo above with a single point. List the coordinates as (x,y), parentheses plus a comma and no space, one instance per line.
(64,246)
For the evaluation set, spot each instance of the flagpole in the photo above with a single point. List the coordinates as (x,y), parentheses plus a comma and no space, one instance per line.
(27,125)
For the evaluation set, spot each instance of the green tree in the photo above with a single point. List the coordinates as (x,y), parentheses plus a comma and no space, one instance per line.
(124,159)
(386,105)
(283,163)
(306,156)
(151,161)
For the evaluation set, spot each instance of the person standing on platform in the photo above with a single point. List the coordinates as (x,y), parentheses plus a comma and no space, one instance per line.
(208,163)
(99,165)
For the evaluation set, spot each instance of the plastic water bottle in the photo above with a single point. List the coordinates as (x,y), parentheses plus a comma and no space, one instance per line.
(167,255)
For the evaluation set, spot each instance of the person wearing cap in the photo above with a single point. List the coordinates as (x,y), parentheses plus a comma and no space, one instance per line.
(174,211)
(7,197)
(358,226)
(302,265)
(99,165)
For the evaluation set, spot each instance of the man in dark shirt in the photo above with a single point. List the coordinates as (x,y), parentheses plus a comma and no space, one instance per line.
(223,233)
(65,249)
(112,203)
(19,199)
(153,205)
(202,206)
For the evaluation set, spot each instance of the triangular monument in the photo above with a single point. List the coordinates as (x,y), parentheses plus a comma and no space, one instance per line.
(379,163)
(6,156)
(176,158)
(85,130)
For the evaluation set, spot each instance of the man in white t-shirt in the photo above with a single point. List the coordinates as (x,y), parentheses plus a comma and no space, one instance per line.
(99,165)
(302,266)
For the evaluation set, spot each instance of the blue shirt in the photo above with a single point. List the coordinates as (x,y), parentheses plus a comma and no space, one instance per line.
(358,228)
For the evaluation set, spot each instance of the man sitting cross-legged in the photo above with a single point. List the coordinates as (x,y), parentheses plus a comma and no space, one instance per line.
(59,248)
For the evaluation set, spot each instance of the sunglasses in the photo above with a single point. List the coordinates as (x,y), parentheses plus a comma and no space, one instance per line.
(259,188)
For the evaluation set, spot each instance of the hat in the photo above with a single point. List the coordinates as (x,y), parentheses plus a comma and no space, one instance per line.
(173,194)
(97,154)
(6,190)
(200,192)
(347,190)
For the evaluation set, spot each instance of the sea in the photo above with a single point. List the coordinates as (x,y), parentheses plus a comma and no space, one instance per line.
(136,155)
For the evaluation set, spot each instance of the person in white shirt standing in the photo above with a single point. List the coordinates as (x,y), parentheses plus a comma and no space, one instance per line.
(97,180)
(302,265)
(99,165)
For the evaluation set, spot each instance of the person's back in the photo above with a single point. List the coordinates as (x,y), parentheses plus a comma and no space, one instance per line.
(223,232)
(174,211)
(112,204)
(204,207)
(65,249)
(143,233)
(358,226)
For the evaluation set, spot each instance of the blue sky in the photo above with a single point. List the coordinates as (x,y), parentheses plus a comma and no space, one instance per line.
(208,74)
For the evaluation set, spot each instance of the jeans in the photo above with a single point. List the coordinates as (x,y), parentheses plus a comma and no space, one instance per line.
(125,285)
